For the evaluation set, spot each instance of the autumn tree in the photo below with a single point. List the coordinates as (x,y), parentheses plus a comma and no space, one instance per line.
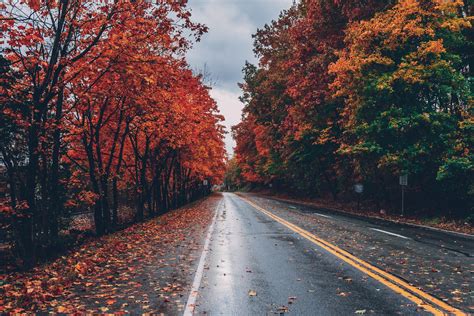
(92,93)
(297,118)
(44,42)
(407,96)
(233,179)
(314,117)
(362,91)
(266,100)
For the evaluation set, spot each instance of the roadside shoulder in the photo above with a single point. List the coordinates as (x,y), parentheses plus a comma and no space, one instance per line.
(145,268)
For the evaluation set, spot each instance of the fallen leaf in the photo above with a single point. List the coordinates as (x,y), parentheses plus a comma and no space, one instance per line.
(283,309)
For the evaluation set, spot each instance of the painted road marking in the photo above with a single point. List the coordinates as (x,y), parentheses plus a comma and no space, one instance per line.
(322,215)
(389,233)
(318,214)
(422,299)
(189,310)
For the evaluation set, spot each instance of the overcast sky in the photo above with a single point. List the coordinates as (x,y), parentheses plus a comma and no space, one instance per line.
(228,44)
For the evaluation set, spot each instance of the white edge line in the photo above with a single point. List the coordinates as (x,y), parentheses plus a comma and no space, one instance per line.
(327,216)
(361,216)
(189,310)
(452,232)
(389,233)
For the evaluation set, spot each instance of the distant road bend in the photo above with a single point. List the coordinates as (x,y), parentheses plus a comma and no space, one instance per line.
(265,257)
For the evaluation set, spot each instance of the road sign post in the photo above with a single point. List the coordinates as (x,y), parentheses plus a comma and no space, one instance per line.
(359,189)
(403,183)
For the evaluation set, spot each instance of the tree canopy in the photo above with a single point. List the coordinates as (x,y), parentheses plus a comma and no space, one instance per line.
(350,92)
(100,109)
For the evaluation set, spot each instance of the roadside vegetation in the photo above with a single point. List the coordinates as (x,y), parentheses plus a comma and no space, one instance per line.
(362,92)
(100,117)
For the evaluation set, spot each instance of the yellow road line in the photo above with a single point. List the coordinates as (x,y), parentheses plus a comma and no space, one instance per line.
(422,299)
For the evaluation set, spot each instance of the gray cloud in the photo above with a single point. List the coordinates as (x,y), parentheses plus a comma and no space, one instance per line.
(228,45)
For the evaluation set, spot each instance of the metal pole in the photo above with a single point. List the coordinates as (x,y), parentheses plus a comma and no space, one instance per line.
(403,200)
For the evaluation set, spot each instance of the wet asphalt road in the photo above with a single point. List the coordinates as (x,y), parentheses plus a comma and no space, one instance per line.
(458,244)
(252,254)
(438,262)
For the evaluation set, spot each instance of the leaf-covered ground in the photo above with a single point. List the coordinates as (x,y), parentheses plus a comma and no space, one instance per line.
(146,268)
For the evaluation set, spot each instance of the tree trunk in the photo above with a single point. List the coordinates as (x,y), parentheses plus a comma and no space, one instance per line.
(104,187)
(55,203)
(98,216)
(24,241)
(114,202)
(25,227)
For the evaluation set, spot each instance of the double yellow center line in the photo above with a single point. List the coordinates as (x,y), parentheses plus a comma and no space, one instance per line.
(422,299)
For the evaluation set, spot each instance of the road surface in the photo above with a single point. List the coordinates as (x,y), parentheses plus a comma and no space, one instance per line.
(267,257)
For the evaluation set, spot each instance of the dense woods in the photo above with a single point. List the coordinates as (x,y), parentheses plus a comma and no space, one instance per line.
(99,110)
(350,92)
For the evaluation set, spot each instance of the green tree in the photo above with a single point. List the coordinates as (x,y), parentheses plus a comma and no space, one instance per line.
(406,94)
